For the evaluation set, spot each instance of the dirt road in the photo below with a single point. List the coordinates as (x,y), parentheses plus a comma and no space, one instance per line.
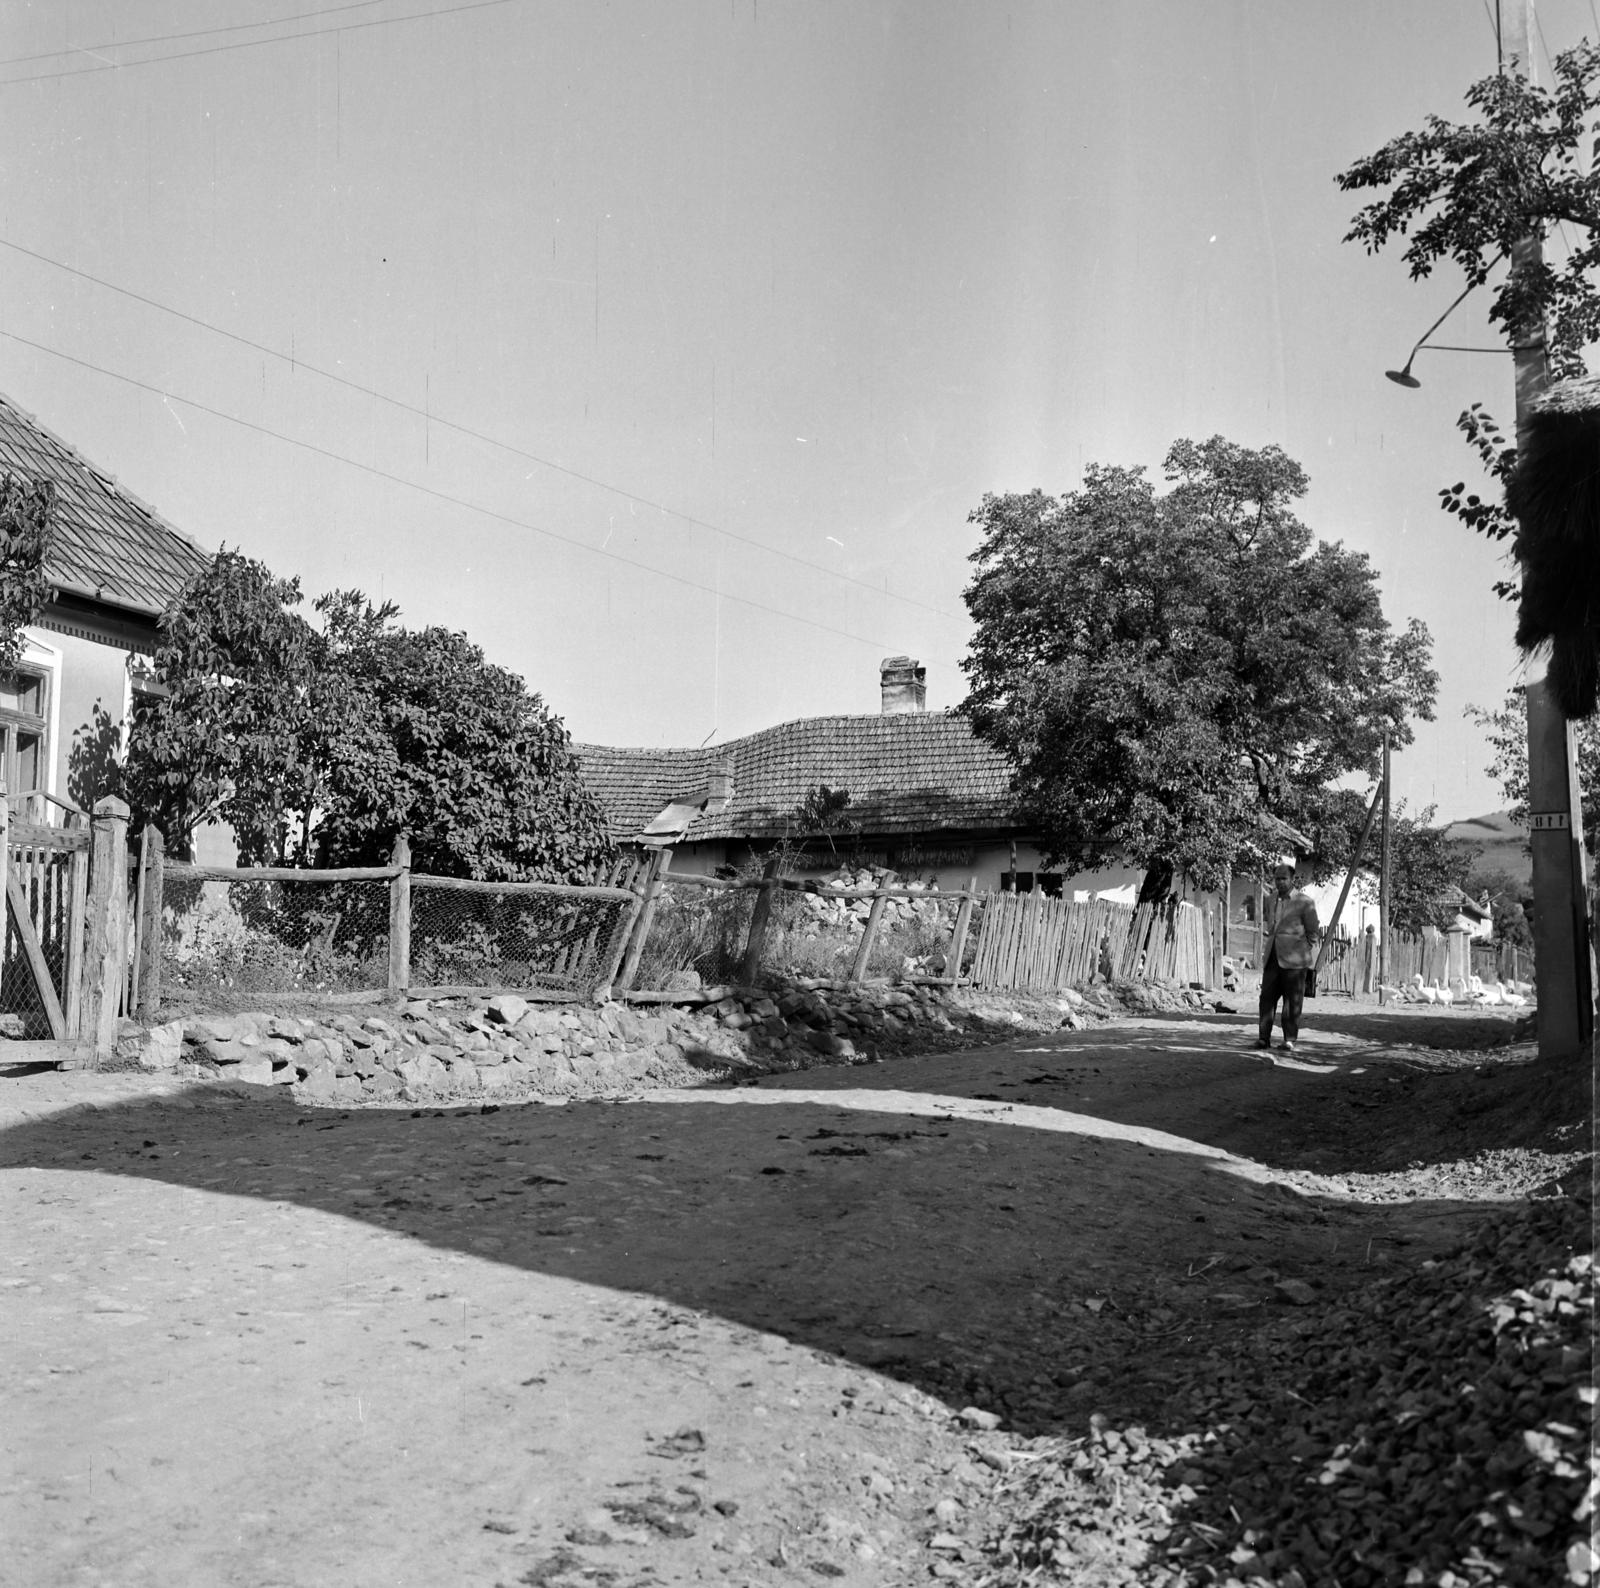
(686,1337)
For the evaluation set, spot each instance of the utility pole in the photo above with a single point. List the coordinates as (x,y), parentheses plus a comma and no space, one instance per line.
(1383,883)
(1560,893)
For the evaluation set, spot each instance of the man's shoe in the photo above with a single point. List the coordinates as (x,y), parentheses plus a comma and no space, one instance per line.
(1288,1047)
(1261,1042)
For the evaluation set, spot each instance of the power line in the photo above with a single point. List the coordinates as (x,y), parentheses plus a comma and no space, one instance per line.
(430,417)
(193,33)
(455,501)
(250,44)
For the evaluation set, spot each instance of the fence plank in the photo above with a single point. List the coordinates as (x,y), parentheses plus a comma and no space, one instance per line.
(869,936)
(22,920)
(654,881)
(958,936)
(760,916)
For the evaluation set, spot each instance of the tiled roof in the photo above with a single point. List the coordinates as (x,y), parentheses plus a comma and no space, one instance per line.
(910,772)
(107,545)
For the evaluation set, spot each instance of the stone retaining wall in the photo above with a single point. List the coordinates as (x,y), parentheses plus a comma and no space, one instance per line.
(505,1046)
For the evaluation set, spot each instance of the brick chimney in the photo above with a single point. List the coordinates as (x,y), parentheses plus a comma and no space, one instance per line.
(903,680)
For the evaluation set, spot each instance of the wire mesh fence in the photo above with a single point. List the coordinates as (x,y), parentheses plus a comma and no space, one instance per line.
(230,943)
(45,881)
(697,936)
(532,936)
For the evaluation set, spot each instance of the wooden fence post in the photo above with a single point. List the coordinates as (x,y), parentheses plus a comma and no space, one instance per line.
(759,917)
(5,881)
(152,887)
(655,878)
(958,938)
(869,936)
(606,985)
(105,961)
(400,917)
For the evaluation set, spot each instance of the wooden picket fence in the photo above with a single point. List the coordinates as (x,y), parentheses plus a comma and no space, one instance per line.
(1031,942)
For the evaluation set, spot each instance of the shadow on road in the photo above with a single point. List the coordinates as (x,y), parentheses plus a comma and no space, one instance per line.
(1045,1273)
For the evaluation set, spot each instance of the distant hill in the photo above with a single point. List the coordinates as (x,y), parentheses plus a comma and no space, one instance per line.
(1502,842)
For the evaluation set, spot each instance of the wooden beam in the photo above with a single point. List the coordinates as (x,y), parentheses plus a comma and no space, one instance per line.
(869,936)
(760,916)
(22,920)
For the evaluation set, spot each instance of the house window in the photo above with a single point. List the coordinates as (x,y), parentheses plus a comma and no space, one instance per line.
(1048,882)
(24,730)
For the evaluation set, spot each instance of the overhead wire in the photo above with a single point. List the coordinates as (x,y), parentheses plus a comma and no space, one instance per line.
(430,416)
(456,501)
(251,44)
(192,33)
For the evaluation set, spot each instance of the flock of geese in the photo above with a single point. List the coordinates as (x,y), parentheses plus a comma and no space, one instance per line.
(1497,995)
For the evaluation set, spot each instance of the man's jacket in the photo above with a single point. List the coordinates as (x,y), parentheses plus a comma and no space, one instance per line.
(1295,931)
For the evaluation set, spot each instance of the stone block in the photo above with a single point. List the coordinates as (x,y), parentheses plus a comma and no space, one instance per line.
(383,1084)
(162,1046)
(321,1083)
(507,1009)
(257,1072)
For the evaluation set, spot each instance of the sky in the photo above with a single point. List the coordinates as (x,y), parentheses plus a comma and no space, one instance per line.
(665,347)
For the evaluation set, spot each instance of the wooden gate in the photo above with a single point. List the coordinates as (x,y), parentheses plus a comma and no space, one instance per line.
(44,877)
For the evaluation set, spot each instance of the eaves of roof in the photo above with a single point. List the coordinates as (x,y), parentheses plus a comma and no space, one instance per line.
(108,546)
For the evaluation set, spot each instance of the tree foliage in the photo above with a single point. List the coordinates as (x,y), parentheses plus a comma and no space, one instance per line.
(1505,732)
(319,744)
(27,513)
(1508,898)
(1163,670)
(222,739)
(1470,191)
(1424,861)
(422,735)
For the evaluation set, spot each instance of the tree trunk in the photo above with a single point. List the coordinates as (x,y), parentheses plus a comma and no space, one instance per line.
(1157,885)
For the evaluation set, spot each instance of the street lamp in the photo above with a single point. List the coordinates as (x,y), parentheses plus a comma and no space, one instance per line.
(1403,375)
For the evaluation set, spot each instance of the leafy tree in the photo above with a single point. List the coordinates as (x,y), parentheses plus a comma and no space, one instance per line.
(319,745)
(1509,898)
(26,518)
(421,735)
(1506,732)
(1164,670)
(1469,193)
(223,739)
(1424,863)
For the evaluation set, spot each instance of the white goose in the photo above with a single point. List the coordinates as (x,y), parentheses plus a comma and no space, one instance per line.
(1444,995)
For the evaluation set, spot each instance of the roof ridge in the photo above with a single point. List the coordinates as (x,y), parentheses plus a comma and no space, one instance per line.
(777,727)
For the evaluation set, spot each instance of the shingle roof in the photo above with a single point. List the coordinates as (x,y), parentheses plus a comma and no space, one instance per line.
(910,772)
(107,544)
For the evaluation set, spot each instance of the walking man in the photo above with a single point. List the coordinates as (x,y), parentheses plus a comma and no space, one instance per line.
(1291,952)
